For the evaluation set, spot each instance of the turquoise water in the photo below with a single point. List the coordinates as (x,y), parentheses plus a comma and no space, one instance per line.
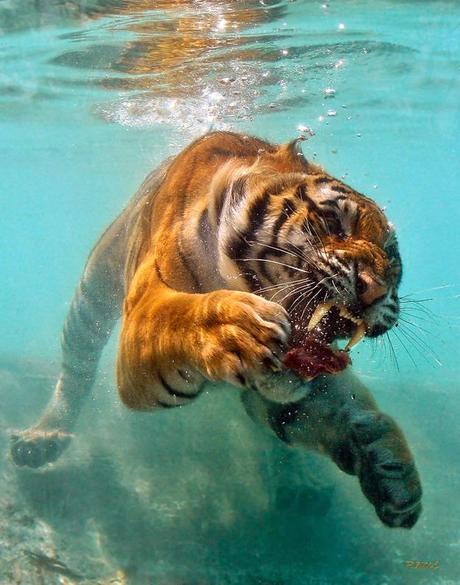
(92,97)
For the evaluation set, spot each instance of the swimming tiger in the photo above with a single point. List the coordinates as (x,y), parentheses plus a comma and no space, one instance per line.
(226,253)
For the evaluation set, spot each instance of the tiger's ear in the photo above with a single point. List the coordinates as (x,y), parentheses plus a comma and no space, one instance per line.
(291,154)
(295,147)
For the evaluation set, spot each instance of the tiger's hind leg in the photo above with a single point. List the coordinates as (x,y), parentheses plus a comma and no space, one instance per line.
(340,418)
(93,312)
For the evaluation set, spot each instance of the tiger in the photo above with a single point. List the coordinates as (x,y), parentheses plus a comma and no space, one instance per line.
(227,252)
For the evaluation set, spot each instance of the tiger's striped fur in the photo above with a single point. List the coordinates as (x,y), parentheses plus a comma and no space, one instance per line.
(194,265)
(241,210)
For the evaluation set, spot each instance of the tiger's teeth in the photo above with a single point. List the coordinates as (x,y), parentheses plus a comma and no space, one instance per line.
(345,313)
(318,314)
(359,333)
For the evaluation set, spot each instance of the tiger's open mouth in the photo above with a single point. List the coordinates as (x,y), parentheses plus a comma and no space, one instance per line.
(311,353)
(330,321)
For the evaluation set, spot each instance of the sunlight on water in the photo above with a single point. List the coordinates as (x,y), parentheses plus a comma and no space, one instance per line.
(95,94)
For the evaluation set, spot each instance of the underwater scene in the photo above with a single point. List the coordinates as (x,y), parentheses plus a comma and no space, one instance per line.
(96,94)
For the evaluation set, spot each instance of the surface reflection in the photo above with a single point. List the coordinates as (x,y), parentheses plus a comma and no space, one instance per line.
(196,65)
(182,44)
(192,44)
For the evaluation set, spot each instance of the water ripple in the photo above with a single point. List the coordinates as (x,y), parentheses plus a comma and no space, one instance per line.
(197,64)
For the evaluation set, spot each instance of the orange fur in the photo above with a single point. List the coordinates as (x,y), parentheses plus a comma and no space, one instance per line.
(168,325)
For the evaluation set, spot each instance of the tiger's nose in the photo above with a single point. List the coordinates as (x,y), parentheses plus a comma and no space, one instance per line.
(369,289)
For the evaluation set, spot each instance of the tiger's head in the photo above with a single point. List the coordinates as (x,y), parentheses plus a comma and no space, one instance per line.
(300,237)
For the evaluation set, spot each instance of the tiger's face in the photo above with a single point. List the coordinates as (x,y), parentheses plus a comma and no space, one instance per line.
(319,248)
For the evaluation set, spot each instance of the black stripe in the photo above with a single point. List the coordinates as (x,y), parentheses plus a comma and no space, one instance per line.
(262,267)
(173,391)
(257,215)
(241,379)
(288,210)
(316,220)
(237,247)
(343,189)
(188,267)
(340,197)
(331,202)
(84,313)
(302,192)
(278,187)
(238,190)
(320,180)
(219,205)
(313,207)
(333,223)
(250,276)
(204,228)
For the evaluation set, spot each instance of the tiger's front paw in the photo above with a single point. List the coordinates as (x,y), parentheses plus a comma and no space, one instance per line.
(240,336)
(34,448)
(378,453)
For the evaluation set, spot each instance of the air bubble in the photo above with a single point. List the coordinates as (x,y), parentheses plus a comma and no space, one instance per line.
(305,129)
(331,113)
(329,92)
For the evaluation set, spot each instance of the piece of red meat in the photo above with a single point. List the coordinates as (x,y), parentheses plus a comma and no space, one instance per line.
(312,359)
